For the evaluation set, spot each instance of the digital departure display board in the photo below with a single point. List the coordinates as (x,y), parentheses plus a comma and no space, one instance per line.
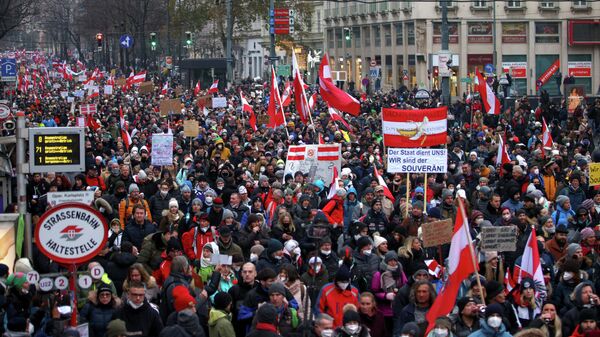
(56,150)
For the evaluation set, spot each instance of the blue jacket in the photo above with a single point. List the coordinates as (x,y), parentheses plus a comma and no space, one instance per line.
(487,331)
(561,216)
(135,233)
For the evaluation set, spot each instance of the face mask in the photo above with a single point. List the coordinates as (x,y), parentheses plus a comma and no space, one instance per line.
(352,328)
(451,190)
(357,236)
(452,166)
(325,252)
(135,306)
(479,221)
(551,230)
(209,200)
(237,268)
(440,332)
(297,251)
(366,252)
(536,171)
(262,169)
(277,257)
(164,193)
(342,285)
(317,269)
(283,279)
(115,172)
(204,229)
(390,268)
(506,217)
(494,322)
(327,333)
(253,257)
(567,276)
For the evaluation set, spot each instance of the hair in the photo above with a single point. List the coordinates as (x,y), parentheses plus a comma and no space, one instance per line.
(349,306)
(323,317)
(139,267)
(137,284)
(557,322)
(406,249)
(371,296)
(180,264)
(138,206)
(416,285)
(291,271)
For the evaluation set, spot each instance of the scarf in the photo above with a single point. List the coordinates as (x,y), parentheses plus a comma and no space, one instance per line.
(266,326)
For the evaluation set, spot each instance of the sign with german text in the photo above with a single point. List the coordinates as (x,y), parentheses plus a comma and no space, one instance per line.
(411,160)
(499,238)
(594,174)
(437,233)
(56,149)
(162,149)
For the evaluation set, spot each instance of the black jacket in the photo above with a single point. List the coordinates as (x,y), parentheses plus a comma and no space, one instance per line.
(118,268)
(144,321)
(135,233)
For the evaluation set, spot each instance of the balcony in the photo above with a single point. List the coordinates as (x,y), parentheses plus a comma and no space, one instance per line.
(514,6)
(548,6)
(451,5)
(480,6)
(581,6)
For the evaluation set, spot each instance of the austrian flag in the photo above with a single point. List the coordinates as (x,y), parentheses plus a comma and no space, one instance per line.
(414,128)
(328,152)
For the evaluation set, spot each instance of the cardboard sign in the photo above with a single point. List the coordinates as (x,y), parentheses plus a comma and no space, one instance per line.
(121,82)
(499,238)
(162,149)
(594,174)
(170,106)
(178,92)
(437,232)
(205,101)
(219,102)
(191,128)
(146,87)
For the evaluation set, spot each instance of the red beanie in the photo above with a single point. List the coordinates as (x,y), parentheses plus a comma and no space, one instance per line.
(182,298)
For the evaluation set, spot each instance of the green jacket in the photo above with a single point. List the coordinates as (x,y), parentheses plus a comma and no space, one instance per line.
(219,324)
(151,254)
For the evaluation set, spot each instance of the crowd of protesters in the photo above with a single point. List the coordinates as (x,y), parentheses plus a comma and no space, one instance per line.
(226,194)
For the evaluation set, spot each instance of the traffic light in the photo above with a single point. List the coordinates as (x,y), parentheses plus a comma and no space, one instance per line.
(188,38)
(348,34)
(153,40)
(99,38)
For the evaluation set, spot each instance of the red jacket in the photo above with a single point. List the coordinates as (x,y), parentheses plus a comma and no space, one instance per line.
(164,270)
(97,181)
(331,300)
(193,241)
(334,210)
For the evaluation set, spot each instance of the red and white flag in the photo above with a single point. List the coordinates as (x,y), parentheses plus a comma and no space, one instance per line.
(386,190)
(502,156)
(490,101)
(509,281)
(197,88)
(414,128)
(321,140)
(296,153)
(531,266)
(286,96)
(546,136)
(165,88)
(247,108)
(88,109)
(137,78)
(124,133)
(336,116)
(302,105)
(80,65)
(460,266)
(328,152)
(93,91)
(275,110)
(312,101)
(333,95)
(214,87)
(434,267)
(333,186)
(110,80)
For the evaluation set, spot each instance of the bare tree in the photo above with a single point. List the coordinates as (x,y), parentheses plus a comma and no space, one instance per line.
(14,13)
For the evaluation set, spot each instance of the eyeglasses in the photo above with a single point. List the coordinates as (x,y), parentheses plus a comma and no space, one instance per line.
(137,295)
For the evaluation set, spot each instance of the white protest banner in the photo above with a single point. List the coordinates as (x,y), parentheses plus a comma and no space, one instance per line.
(82,78)
(57,198)
(56,86)
(108,89)
(162,149)
(417,160)
(70,99)
(64,94)
(219,102)
(317,161)
(78,93)
(81,122)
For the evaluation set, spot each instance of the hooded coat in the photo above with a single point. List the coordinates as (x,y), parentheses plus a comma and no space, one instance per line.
(219,324)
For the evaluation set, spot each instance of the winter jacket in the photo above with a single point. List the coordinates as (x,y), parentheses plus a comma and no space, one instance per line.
(230,248)
(349,207)
(561,216)
(487,331)
(375,323)
(98,316)
(462,330)
(256,296)
(193,241)
(334,210)
(166,295)
(363,269)
(331,262)
(383,304)
(152,249)
(158,203)
(118,268)
(265,261)
(247,238)
(576,196)
(135,233)
(313,287)
(377,222)
(143,321)
(331,299)
(126,209)
(407,314)
(571,318)
(219,324)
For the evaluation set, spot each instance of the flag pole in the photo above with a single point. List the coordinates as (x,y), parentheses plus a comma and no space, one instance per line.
(407,194)
(471,250)
(425,195)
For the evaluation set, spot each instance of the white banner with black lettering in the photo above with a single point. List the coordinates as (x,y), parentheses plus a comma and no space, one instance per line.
(412,160)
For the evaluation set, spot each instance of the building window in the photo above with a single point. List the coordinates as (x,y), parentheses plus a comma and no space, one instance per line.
(348,37)
(377,35)
(580,66)
(580,3)
(516,66)
(339,37)
(330,38)
(387,34)
(410,33)
(547,4)
(389,74)
(448,3)
(399,67)
(547,32)
(480,4)
(513,4)
(356,36)
(383,6)
(399,37)
(367,36)
(542,63)
(319,22)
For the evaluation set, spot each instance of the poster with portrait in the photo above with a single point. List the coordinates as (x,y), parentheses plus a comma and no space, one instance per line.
(575,96)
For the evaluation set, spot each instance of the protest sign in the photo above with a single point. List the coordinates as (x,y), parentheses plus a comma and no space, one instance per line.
(162,149)
(594,174)
(219,102)
(121,82)
(317,161)
(402,160)
(499,238)
(217,259)
(146,87)
(190,128)
(437,232)
(78,93)
(108,89)
(57,198)
(205,101)
(170,106)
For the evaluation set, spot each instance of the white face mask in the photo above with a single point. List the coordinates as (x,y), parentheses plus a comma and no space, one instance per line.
(325,252)
(282,279)
(317,269)
(567,275)
(327,333)
(135,306)
(352,328)
(536,171)
(209,200)
(357,236)
(297,251)
(440,332)
(494,321)
(367,252)
(343,285)
(277,257)
(479,221)
(506,217)
(253,257)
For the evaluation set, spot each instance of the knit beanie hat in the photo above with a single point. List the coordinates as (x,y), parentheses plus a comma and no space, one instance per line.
(463,301)
(274,246)
(362,242)
(133,188)
(277,288)
(16,280)
(116,328)
(587,233)
(379,240)
(182,298)
(561,199)
(493,309)
(267,313)
(351,316)
(493,288)
(222,300)
(173,203)
(572,248)
(343,274)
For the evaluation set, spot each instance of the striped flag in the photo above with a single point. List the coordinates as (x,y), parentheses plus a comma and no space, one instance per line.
(490,101)
(328,152)
(247,108)
(414,128)
(386,190)
(214,88)
(296,153)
